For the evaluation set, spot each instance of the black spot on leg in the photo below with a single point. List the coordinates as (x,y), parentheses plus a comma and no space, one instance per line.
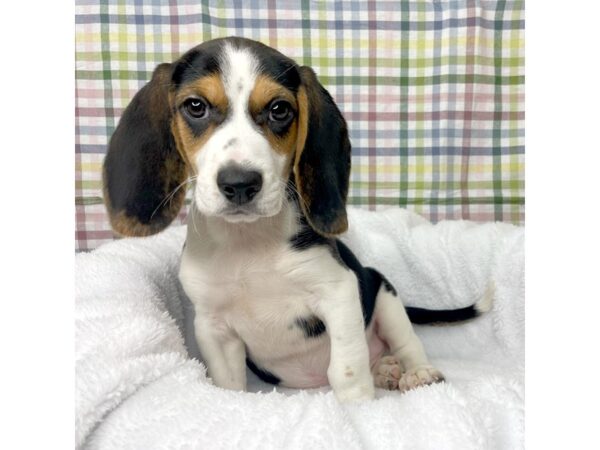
(240,86)
(311,326)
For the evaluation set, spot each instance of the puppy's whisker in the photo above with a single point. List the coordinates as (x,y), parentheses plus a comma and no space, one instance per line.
(169,197)
(288,184)
(284,72)
(193,213)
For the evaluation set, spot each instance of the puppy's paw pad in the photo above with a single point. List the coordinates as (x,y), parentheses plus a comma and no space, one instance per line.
(419,376)
(387,372)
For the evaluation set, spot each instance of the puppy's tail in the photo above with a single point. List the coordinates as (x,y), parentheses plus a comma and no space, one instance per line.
(422,316)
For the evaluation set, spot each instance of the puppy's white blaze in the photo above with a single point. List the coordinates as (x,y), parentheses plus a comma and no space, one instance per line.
(237,140)
(239,68)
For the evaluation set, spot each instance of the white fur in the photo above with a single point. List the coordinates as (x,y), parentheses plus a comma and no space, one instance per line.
(238,140)
(249,286)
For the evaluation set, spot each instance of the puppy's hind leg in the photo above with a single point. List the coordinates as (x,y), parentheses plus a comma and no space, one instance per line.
(395,329)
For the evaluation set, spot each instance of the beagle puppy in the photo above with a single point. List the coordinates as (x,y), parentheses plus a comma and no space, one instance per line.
(267,154)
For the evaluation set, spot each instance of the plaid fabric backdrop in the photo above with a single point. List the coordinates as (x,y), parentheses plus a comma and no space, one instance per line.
(433,91)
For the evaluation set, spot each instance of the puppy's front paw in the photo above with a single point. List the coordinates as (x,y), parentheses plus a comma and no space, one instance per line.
(419,376)
(359,392)
(352,386)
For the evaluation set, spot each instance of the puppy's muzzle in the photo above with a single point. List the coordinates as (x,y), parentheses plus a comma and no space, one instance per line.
(238,185)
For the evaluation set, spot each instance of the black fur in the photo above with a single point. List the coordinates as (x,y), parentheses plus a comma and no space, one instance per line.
(312,326)
(200,61)
(323,170)
(422,316)
(139,149)
(388,286)
(264,375)
(369,280)
(204,59)
(307,237)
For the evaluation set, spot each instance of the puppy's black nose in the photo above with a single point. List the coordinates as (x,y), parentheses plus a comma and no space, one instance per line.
(239,185)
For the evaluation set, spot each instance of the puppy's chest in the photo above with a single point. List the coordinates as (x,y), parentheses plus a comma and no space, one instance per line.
(264,295)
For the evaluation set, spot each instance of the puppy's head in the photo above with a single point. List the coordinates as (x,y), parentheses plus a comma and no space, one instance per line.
(242,121)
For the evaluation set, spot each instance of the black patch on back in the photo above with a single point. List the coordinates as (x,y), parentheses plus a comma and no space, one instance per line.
(312,326)
(369,280)
(264,375)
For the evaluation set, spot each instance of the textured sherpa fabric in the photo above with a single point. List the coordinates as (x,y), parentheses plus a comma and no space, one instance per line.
(137,387)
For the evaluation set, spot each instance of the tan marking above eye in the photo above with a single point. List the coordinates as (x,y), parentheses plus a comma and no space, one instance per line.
(302,123)
(265,91)
(209,87)
(284,144)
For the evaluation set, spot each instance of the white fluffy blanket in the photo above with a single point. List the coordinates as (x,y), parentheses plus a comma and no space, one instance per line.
(138,388)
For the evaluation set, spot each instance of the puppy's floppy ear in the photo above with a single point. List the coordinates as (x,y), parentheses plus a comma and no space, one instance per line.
(142,166)
(322,160)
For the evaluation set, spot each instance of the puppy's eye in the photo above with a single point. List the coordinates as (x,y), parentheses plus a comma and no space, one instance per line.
(280,111)
(196,108)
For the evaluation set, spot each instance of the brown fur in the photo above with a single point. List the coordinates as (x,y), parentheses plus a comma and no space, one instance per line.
(264,92)
(189,145)
(173,171)
(302,178)
(210,87)
(124,225)
(309,104)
